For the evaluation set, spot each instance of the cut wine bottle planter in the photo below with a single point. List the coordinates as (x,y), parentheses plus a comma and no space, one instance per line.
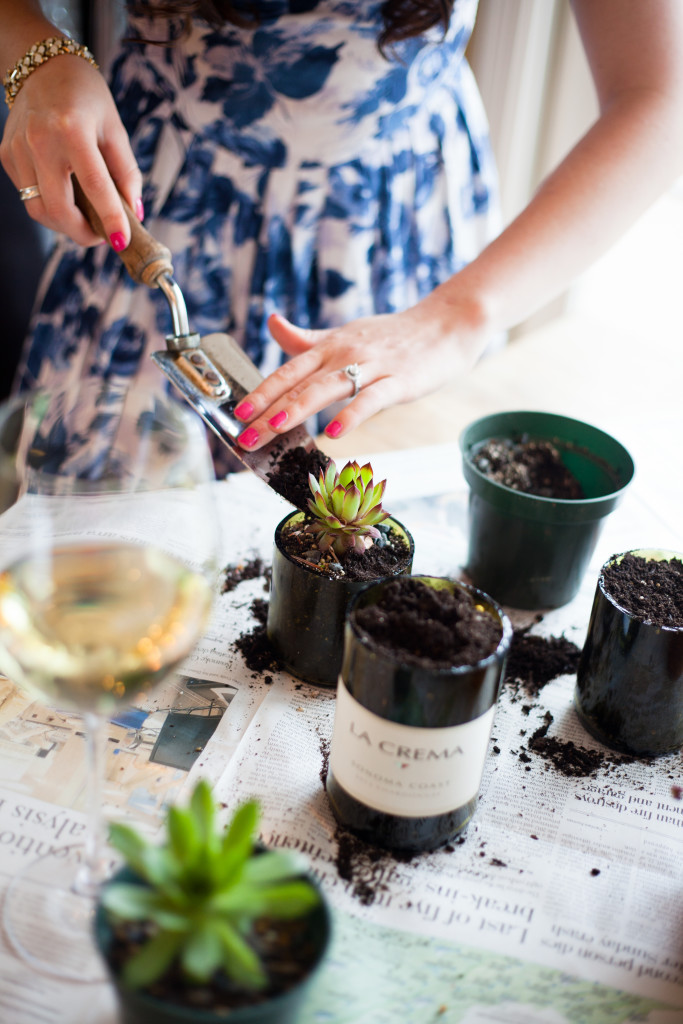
(413,719)
(629,691)
(529,551)
(308,606)
(227,930)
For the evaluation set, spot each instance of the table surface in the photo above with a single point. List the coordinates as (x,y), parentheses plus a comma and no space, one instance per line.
(626,385)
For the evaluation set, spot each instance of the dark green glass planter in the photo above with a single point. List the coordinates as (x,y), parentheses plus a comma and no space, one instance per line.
(416,698)
(533,552)
(629,689)
(140,1008)
(307,609)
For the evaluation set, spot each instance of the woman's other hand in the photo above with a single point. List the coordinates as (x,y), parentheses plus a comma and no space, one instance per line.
(64,121)
(399,356)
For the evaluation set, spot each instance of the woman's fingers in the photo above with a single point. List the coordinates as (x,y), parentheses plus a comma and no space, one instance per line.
(302,400)
(275,407)
(312,380)
(292,339)
(382,348)
(377,396)
(109,172)
(95,179)
(307,384)
(118,156)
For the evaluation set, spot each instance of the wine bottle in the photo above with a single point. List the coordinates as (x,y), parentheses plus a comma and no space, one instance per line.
(411,729)
(629,684)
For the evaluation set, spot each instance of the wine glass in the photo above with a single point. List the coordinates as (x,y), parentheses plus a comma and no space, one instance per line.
(108,544)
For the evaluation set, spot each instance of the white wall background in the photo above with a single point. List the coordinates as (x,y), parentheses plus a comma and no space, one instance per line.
(536,86)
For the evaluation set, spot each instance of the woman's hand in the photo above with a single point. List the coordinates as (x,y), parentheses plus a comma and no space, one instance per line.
(400,357)
(63,122)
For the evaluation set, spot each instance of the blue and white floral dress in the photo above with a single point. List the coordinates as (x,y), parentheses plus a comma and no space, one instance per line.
(288,168)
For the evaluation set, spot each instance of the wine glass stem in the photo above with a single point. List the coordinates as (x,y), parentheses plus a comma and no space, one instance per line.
(93,868)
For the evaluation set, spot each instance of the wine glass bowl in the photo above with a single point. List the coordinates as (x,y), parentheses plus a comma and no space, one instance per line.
(93,625)
(108,560)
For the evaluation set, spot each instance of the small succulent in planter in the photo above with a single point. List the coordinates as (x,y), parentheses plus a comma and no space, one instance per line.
(208,917)
(347,508)
(321,559)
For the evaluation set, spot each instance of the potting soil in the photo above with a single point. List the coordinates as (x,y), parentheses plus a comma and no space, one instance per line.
(649,590)
(534,467)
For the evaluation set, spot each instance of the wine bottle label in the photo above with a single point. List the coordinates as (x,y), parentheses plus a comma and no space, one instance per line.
(402,769)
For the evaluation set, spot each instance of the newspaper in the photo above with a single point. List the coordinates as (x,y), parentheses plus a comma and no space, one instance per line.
(563,901)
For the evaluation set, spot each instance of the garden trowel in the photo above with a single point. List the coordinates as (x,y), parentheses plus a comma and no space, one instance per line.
(212,373)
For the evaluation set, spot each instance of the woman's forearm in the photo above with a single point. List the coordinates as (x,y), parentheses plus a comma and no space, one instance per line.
(22,24)
(626,160)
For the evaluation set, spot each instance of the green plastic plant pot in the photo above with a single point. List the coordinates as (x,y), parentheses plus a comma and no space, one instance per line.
(410,740)
(629,689)
(307,609)
(142,1008)
(533,552)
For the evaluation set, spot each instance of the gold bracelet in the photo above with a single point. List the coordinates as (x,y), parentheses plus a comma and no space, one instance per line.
(37,55)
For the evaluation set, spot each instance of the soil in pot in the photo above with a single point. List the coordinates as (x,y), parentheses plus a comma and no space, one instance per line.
(429,627)
(387,556)
(534,467)
(648,589)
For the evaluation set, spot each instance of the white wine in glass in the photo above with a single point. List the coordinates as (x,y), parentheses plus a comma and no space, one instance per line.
(107,574)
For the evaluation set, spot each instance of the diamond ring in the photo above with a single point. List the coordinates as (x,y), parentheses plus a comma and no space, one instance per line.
(353,372)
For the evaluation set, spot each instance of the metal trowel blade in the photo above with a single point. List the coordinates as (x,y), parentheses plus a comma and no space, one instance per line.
(214,378)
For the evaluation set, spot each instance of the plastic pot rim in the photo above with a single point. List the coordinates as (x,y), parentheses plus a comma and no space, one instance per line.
(535,507)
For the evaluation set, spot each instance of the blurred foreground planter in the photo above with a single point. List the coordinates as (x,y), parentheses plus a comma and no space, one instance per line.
(529,551)
(141,1007)
(629,691)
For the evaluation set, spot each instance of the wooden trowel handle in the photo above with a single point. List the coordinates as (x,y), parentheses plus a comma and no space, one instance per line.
(144,258)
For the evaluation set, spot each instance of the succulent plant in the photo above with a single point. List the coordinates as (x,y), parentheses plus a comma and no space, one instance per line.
(201,892)
(347,507)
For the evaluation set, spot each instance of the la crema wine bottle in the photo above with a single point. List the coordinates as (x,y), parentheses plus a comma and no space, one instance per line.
(410,740)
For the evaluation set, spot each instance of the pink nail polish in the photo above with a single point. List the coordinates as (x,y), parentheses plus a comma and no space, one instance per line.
(244,410)
(333,429)
(278,419)
(118,241)
(249,437)
(139,210)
